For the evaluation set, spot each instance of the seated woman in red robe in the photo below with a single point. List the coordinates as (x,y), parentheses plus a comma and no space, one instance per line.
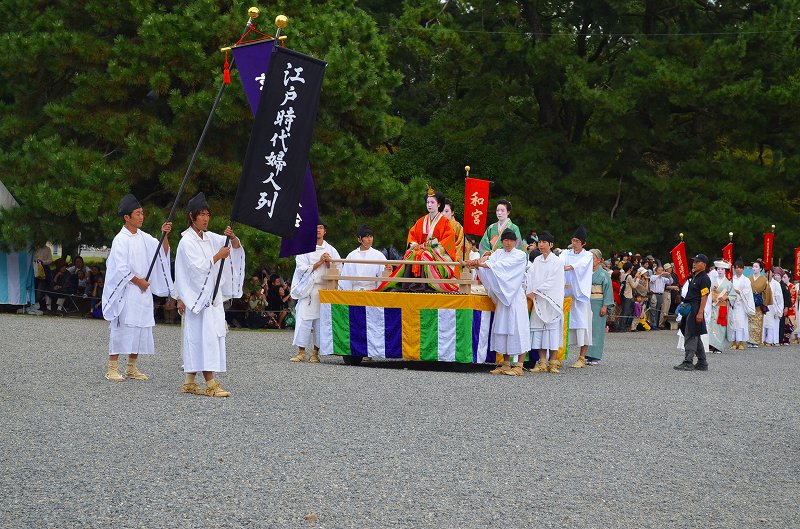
(431,238)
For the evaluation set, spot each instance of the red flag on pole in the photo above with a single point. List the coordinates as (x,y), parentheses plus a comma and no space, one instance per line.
(769,242)
(681,262)
(727,254)
(476,206)
(797,264)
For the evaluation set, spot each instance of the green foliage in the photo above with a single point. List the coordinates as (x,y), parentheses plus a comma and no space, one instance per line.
(637,118)
(103,99)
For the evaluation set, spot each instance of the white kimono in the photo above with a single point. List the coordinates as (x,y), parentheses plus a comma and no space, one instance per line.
(578,286)
(545,280)
(743,306)
(367,270)
(772,319)
(204,326)
(306,283)
(503,281)
(130,310)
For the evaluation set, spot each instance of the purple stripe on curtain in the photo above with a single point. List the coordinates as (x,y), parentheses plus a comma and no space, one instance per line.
(358,331)
(393,332)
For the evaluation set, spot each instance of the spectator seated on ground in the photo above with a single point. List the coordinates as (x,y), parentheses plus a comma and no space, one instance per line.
(79,265)
(96,298)
(61,287)
(236,312)
(277,299)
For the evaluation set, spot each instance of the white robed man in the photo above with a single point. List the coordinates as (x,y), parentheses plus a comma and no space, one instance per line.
(364,252)
(310,270)
(128,296)
(502,273)
(578,270)
(197,265)
(742,307)
(722,297)
(772,319)
(545,288)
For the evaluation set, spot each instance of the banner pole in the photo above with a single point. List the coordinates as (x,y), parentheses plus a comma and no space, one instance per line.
(252,13)
(281,21)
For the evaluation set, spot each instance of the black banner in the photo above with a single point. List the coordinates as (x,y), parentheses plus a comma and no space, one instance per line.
(275,165)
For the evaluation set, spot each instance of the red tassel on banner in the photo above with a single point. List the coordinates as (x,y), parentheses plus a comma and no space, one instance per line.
(769,242)
(226,72)
(681,262)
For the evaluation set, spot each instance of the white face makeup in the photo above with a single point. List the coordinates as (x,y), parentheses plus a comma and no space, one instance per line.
(432,205)
(756,268)
(502,212)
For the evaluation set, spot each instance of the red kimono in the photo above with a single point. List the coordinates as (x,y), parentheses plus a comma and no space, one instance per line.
(424,230)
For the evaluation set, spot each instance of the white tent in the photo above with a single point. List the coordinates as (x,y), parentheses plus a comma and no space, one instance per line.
(6,199)
(16,269)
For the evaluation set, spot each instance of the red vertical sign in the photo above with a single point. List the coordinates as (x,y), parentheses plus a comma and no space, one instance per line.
(769,242)
(476,206)
(681,262)
(727,254)
(797,264)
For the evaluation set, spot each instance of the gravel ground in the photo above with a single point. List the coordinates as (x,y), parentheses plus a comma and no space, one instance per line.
(628,444)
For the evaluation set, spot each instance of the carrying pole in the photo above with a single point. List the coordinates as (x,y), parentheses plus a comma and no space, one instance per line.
(252,14)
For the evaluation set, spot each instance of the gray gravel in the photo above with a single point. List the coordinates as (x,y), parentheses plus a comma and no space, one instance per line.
(629,444)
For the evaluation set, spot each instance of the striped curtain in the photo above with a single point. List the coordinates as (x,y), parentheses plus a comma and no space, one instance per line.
(410,326)
(16,278)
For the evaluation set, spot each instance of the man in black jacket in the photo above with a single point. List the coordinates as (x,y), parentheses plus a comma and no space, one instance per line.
(693,326)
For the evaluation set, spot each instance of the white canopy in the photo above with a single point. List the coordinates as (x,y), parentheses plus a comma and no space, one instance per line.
(6,199)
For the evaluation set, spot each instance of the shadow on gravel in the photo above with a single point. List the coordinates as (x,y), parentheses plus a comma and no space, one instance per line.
(443,367)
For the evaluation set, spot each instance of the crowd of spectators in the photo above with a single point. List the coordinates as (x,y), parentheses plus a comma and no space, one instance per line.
(67,286)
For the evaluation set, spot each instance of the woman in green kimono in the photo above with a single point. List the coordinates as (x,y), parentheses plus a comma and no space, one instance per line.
(602,299)
(491,239)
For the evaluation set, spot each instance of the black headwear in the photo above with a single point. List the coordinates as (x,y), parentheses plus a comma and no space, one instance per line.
(364,231)
(127,205)
(197,203)
(701,257)
(508,233)
(580,234)
(547,236)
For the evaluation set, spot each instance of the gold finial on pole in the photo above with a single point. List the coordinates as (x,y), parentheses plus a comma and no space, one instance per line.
(467,168)
(681,235)
(773,228)
(281,21)
(730,234)
(253,13)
